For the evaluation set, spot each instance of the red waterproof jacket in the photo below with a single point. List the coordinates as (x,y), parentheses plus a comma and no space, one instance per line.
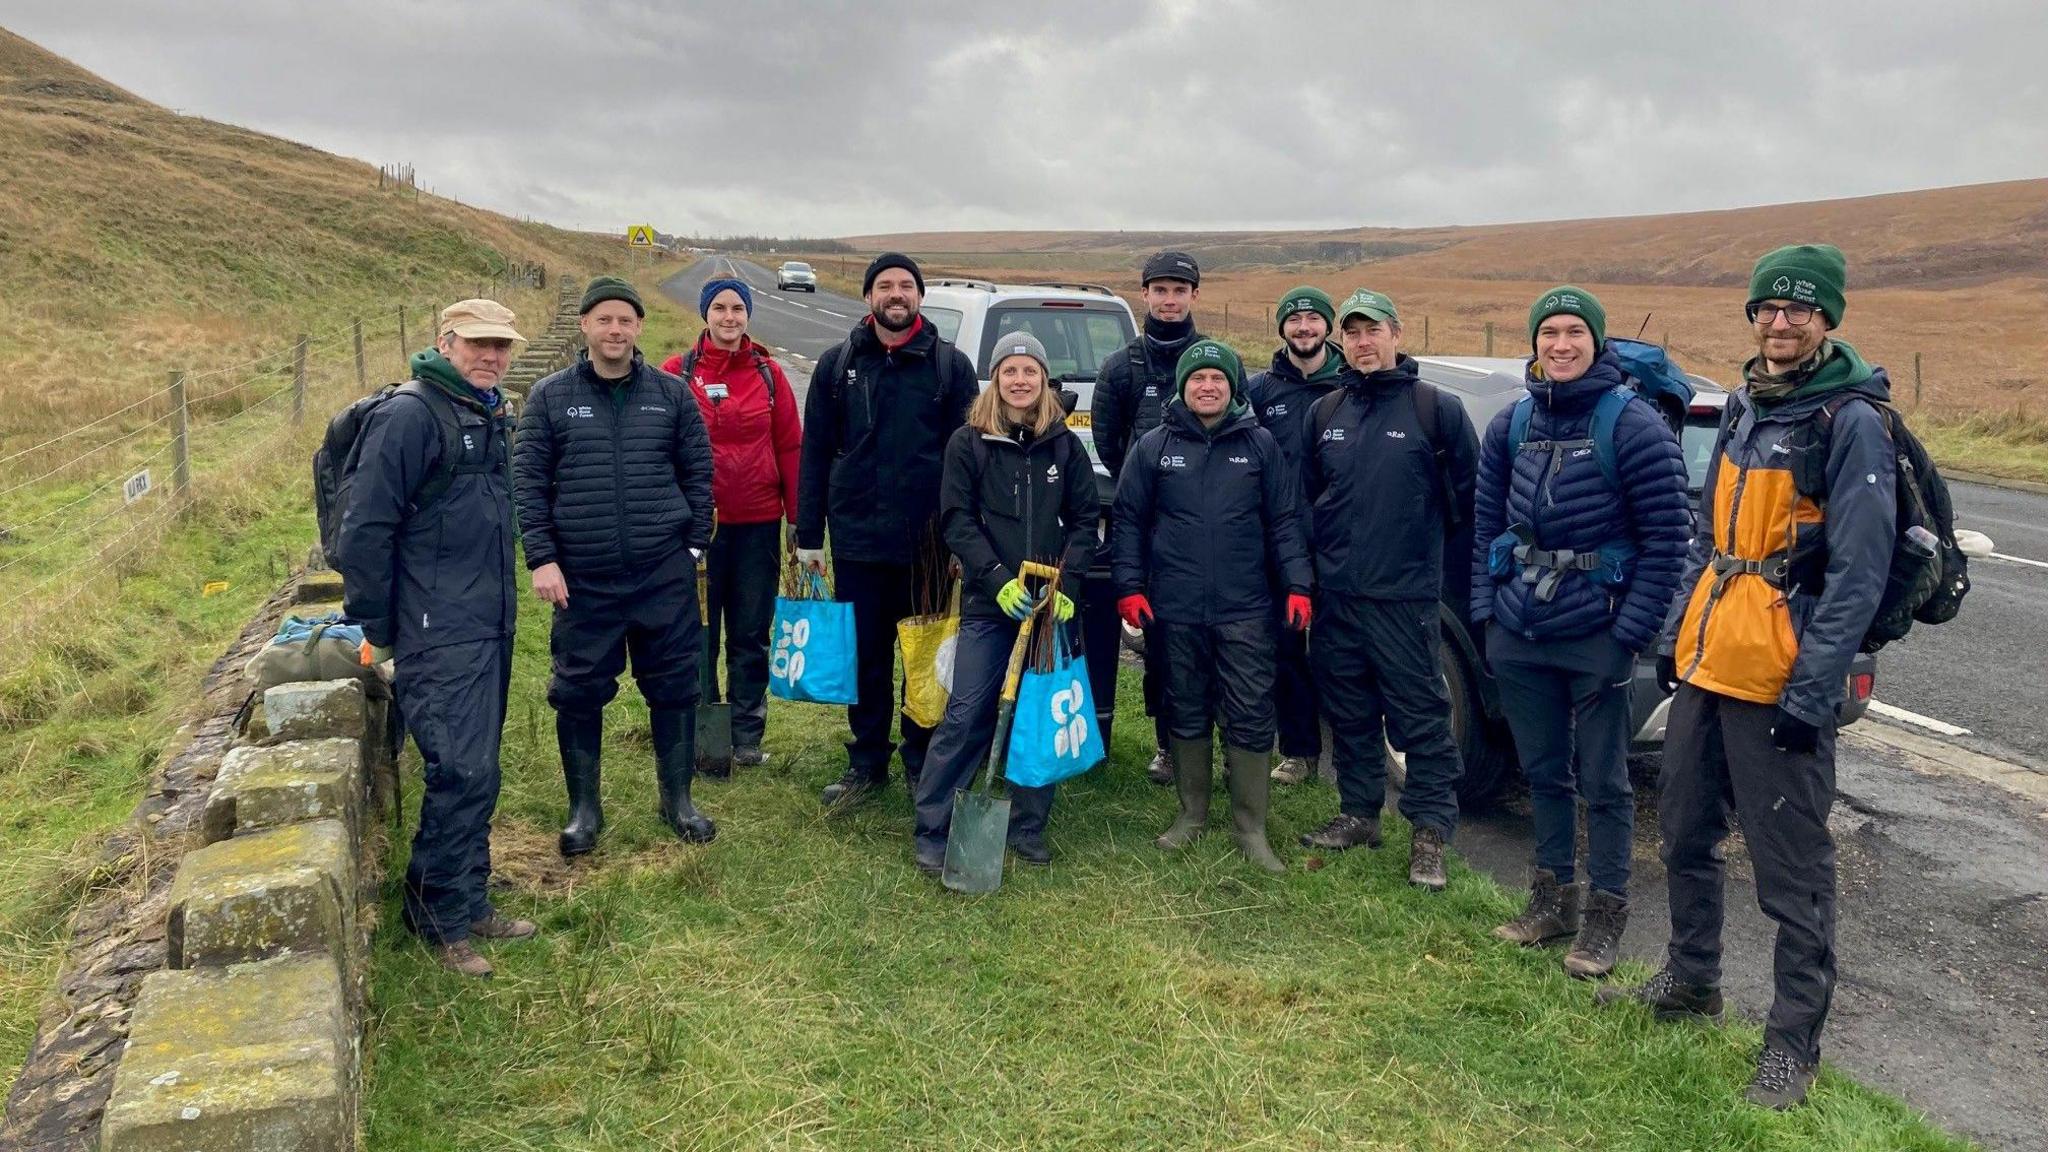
(754,445)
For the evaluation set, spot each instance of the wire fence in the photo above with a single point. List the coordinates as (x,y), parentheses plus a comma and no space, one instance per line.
(83,508)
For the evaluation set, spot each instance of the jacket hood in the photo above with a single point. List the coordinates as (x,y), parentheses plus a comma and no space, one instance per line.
(1571,397)
(923,338)
(1333,366)
(1235,418)
(1845,370)
(430,367)
(711,358)
(1031,443)
(1404,371)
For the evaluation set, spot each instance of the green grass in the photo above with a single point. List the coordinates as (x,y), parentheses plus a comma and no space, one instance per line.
(2012,445)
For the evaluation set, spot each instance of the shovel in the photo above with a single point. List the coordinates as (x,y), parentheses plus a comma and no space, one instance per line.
(981,819)
(714,720)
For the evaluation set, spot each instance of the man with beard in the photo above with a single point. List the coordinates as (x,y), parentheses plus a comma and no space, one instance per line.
(1305,369)
(1131,393)
(881,407)
(613,477)
(1798,516)
(1388,466)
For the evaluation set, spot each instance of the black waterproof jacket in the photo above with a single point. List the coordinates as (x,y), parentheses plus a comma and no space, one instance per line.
(1206,520)
(612,479)
(1131,394)
(1371,477)
(876,423)
(1281,398)
(420,578)
(1011,499)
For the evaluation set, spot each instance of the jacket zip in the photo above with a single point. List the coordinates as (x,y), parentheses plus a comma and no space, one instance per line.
(616,406)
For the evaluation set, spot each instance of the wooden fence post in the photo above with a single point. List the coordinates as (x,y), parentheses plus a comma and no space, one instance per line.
(1916,381)
(181,443)
(1226,319)
(362,376)
(404,345)
(1489,337)
(1425,333)
(299,379)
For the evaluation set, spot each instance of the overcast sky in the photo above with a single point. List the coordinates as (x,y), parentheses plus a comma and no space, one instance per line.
(823,119)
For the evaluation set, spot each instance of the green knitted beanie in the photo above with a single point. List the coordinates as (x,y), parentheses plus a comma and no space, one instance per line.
(1813,274)
(1569,300)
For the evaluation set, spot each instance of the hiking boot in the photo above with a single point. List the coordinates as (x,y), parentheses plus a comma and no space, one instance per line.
(1160,771)
(1599,943)
(1343,832)
(1293,770)
(579,737)
(1553,912)
(459,956)
(1194,762)
(1668,998)
(931,860)
(497,927)
(1426,859)
(675,765)
(1781,1080)
(850,789)
(1248,801)
(1030,848)
(748,756)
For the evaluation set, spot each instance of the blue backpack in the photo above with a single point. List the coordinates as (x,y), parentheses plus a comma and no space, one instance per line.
(1651,375)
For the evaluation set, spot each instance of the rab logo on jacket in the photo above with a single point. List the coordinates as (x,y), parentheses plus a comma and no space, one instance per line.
(1240,459)
(1070,729)
(1396,434)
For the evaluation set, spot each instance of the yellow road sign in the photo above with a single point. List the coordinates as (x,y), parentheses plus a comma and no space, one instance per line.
(640,236)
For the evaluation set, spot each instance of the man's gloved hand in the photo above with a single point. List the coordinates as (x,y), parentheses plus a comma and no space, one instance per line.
(1015,600)
(373,655)
(1062,607)
(812,558)
(1299,611)
(1791,734)
(1136,611)
(1667,674)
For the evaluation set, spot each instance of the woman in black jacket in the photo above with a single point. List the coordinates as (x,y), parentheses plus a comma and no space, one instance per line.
(1017,486)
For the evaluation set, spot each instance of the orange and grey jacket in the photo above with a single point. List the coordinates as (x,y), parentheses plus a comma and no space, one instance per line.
(1780,586)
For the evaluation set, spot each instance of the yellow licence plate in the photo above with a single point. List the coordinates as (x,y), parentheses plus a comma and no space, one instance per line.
(1080,420)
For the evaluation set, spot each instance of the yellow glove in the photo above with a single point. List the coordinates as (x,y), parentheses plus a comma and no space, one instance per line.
(1062,607)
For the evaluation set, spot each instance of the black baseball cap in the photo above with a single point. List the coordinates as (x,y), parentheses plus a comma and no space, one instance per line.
(1171,265)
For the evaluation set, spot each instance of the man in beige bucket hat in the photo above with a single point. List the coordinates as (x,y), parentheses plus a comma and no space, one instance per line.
(426,556)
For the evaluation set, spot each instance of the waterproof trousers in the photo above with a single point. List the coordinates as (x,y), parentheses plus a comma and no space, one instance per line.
(454,703)
(651,615)
(882,595)
(1380,675)
(961,742)
(1221,673)
(741,570)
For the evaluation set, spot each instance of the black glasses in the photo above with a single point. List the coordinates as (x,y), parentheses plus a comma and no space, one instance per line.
(1794,314)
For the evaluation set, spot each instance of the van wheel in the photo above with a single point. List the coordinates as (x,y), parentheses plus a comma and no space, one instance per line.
(1487,749)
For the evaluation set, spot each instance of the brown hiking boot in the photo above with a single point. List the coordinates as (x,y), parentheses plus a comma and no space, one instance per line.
(1781,1080)
(1426,859)
(1553,912)
(1668,998)
(1344,832)
(458,956)
(1293,770)
(496,927)
(1160,771)
(1599,944)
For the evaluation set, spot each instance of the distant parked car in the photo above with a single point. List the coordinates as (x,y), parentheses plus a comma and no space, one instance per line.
(795,274)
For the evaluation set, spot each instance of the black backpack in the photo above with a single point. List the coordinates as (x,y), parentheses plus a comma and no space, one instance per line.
(334,462)
(1919,586)
(1427,403)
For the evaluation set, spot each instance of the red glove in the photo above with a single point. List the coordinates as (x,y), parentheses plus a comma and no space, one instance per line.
(1298,611)
(1136,611)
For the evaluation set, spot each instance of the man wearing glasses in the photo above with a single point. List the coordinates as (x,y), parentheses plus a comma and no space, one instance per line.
(1797,524)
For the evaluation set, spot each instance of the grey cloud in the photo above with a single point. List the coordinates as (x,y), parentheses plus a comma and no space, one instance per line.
(829,119)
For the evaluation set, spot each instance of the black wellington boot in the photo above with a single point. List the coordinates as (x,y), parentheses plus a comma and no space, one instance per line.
(580,737)
(675,765)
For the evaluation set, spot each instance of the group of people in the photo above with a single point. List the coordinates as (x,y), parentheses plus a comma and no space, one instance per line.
(1280,541)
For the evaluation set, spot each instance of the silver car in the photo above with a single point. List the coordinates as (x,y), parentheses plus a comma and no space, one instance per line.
(795,274)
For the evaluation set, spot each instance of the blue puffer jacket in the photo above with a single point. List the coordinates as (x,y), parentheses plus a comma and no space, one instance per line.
(1574,507)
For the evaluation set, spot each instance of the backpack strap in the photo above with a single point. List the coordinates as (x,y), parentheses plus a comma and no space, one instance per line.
(1325,410)
(1606,416)
(1518,424)
(437,485)
(689,365)
(1429,411)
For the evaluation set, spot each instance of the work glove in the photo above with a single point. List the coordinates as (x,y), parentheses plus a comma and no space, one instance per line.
(372,655)
(1062,607)
(1667,673)
(1791,734)
(1299,610)
(1015,600)
(1136,611)
(812,558)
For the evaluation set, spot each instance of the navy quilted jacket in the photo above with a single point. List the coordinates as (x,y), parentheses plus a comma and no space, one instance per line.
(611,478)
(1575,507)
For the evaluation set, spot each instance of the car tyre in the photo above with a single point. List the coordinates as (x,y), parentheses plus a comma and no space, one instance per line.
(1486,748)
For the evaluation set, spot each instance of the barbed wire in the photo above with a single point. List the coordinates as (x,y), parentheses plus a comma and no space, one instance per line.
(89,452)
(86,427)
(84,526)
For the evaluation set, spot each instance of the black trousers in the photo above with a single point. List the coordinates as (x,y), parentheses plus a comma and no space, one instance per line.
(882,594)
(1102,639)
(1377,664)
(1219,672)
(960,744)
(454,703)
(651,615)
(740,577)
(1294,696)
(1157,676)
(1718,757)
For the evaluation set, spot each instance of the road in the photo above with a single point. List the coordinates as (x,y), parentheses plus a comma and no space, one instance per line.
(1943,942)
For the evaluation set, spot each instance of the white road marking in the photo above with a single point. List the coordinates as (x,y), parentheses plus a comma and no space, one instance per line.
(2018,560)
(1917,720)
(829,312)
